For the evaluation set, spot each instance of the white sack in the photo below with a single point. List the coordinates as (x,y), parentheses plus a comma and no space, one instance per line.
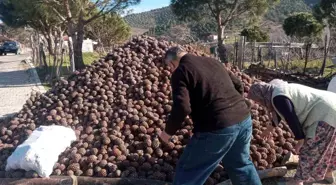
(40,151)
(332,85)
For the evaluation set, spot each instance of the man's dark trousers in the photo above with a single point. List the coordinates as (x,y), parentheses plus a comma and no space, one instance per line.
(204,151)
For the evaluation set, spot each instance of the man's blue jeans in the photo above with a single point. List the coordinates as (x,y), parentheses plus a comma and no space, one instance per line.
(203,153)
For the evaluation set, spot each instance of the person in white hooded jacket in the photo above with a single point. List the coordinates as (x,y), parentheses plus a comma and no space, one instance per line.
(311,115)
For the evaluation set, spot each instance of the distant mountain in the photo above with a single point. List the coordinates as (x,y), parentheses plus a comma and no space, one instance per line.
(163,19)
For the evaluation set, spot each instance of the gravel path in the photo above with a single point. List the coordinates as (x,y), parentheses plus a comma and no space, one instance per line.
(17,81)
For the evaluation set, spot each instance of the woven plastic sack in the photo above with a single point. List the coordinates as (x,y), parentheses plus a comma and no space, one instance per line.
(41,150)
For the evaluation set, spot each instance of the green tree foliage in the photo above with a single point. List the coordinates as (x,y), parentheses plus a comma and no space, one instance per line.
(78,14)
(20,13)
(255,34)
(21,35)
(302,25)
(285,8)
(109,29)
(162,19)
(222,12)
(324,10)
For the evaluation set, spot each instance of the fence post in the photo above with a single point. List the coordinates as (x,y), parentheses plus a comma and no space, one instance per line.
(253,50)
(240,52)
(260,55)
(275,59)
(288,56)
(235,51)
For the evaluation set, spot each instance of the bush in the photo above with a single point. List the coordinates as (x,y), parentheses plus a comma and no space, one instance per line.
(255,34)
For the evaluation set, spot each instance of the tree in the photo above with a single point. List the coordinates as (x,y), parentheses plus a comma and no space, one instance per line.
(222,11)
(22,35)
(255,34)
(21,13)
(324,10)
(305,27)
(108,30)
(180,34)
(78,14)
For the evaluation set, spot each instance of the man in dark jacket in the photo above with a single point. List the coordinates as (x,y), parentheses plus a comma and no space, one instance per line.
(203,89)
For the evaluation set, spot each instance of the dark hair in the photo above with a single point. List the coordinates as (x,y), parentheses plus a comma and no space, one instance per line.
(173,53)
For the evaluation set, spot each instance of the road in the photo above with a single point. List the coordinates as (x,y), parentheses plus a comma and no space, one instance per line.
(17,81)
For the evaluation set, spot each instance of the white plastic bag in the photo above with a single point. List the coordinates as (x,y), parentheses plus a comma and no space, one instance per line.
(40,151)
(332,85)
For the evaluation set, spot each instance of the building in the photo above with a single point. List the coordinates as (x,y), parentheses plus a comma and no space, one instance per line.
(88,44)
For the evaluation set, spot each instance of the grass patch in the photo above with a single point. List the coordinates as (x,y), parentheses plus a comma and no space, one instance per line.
(313,66)
(44,73)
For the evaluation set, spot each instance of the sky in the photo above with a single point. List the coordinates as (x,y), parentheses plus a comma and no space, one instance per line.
(147,5)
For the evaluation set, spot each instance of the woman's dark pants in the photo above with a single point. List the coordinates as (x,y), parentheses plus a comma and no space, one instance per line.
(203,153)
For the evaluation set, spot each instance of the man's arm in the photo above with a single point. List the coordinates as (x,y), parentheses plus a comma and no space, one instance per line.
(181,102)
(236,82)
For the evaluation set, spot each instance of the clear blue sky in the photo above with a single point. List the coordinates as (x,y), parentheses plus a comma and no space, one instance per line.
(147,5)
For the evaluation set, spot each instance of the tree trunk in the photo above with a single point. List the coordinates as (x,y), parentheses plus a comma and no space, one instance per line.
(308,46)
(43,57)
(32,43)
(326,51)
(71,43)
(39,45)
(100,47)
(53,67)
(78,45)
(222,53)
(71,35)
(61,60)
(37,49)
(49,38)
(71,55)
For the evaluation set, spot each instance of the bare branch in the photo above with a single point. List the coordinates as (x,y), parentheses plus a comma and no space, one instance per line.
(333,12)
(50,2)
(231,13)
(212,10)
(58,14)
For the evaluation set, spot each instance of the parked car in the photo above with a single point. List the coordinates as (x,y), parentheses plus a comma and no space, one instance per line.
(10,47)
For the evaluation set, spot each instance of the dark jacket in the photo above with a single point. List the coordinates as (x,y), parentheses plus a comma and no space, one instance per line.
(205,90)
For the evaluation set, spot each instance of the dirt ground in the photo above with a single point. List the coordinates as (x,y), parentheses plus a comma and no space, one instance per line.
(290,174)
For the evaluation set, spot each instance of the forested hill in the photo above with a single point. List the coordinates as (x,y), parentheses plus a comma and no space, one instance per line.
(164,16)
(151,18)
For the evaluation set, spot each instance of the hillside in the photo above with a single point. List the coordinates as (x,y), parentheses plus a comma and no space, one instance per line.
(151,18)
(163,19)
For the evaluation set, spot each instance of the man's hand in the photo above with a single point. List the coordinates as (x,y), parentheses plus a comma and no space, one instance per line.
(164,137)
(298,146)
(248,103)
(266,134)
